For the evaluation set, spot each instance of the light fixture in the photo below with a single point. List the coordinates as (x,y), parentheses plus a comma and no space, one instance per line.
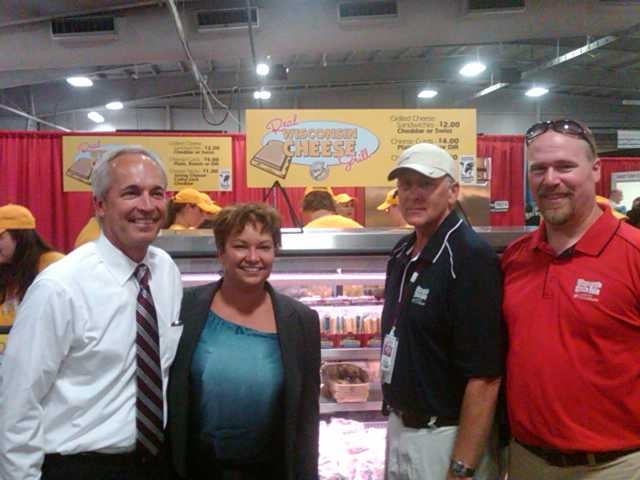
(536,92)
(114,106)
(427,93)
(96,117)
(631,102)
(472,69)
(262,69)
(262,95)
(79,81)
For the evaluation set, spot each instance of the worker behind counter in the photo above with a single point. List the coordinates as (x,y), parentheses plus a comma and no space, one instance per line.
(345,205)
(23,254)
(188,209)
(392,209)
(319,211)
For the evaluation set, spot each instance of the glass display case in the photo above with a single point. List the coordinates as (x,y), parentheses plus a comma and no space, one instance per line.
(340,274)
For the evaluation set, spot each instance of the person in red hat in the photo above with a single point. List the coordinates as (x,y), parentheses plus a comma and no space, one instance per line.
(23,254)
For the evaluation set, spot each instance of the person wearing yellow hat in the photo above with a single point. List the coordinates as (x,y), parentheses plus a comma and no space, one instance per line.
(23,254)
(188,209)
(345,205)
(318,188)
(319,211)
(600,200)
(391,208)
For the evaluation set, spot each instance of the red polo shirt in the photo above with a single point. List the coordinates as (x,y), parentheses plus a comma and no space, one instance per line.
(573,321)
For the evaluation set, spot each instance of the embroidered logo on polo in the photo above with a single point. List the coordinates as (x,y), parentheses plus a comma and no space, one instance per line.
(420,295)
(587,290)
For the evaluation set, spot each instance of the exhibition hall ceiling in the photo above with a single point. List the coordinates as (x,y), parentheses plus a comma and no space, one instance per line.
(587,50)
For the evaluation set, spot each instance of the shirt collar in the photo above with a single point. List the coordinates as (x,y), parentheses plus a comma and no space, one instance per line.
(434,244)
(592,242)
(120,266)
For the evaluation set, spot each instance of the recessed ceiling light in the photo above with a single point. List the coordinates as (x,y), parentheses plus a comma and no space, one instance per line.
(262,69)
(536,92)
(96,117)
(262,95)
(114,106)
(79,81)
(427,93)
(472,69)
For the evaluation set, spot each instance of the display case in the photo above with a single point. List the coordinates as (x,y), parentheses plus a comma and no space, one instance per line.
(339,273)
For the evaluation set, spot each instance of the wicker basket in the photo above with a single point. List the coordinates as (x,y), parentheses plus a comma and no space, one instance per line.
(345,382)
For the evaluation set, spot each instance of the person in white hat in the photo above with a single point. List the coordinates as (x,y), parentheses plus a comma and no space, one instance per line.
(442,354)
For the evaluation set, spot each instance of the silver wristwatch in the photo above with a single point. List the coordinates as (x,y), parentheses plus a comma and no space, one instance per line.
(459,469)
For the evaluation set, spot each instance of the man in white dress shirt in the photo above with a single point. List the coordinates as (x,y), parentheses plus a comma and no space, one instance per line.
(68,405)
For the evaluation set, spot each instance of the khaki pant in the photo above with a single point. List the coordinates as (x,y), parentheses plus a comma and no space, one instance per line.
(425,454)
(524,465)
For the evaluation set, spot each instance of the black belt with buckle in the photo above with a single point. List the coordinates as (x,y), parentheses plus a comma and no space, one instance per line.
(575,459)
(418,420)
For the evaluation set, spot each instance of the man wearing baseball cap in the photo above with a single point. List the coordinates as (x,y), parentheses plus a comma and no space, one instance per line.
(442,355)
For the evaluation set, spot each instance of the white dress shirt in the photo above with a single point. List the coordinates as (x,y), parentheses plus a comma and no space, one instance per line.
(70,362)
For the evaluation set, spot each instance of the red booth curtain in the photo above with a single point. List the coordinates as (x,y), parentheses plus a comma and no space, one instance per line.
(611,165)
(31,166)
(507,175)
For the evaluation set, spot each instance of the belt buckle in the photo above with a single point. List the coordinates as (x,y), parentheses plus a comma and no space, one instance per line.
(431,424)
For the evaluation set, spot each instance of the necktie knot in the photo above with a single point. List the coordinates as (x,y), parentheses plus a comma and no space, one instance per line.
(142,275)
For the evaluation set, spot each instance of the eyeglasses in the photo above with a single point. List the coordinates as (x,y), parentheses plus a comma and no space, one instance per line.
(565,127)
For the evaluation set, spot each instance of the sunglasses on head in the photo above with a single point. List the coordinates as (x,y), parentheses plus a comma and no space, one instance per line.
(565,127)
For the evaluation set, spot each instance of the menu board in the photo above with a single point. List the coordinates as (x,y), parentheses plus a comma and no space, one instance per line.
(203,163)
(349,147)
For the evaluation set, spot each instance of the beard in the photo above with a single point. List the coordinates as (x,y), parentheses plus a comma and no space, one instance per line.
(557,214)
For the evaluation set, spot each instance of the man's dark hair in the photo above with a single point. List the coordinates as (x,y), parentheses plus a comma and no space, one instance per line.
(318,200)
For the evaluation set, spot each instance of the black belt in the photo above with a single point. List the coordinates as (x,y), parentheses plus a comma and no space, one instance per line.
(575,459)
(419,420)
(123,459)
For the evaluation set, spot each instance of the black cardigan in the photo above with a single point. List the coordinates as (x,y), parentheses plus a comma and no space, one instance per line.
(299,333)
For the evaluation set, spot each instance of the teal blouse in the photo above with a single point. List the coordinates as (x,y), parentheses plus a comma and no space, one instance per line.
(238,381)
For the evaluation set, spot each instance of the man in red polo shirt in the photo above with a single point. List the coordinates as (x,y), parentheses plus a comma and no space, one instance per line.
(572,312)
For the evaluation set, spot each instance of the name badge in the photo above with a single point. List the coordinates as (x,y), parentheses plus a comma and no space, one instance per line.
(388,357)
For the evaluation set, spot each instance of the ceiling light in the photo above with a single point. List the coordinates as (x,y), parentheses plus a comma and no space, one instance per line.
(96,117)
(114,106)
(262,95)
(79,81)
(536,92)
(427,93)
(262,69)
(631,102)
(472,69)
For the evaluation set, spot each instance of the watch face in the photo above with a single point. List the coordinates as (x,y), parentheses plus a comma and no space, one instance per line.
(459,469)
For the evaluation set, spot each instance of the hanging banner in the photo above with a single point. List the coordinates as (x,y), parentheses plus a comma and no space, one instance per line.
(203,163)
(348,147)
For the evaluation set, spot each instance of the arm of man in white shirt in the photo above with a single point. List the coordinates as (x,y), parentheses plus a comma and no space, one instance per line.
(38,343)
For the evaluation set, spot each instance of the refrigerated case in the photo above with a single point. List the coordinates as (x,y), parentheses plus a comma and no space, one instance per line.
(339,273)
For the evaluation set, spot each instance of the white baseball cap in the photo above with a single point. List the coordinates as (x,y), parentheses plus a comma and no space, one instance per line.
(427,159)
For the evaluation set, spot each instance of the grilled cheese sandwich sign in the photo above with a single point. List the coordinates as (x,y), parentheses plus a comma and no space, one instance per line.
(347,147)
(201,162)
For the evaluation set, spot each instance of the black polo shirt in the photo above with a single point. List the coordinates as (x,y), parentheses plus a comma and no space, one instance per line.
(449,325)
